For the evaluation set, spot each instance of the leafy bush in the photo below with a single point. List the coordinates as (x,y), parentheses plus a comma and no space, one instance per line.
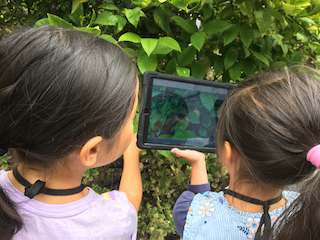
(213,39)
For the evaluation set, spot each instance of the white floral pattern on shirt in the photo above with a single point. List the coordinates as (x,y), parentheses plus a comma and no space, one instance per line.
(206,209)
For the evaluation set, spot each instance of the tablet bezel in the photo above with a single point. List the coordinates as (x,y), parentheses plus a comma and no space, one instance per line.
(147,84)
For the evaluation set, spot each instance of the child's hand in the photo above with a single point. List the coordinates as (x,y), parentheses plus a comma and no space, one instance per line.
(197,160)
(193,157)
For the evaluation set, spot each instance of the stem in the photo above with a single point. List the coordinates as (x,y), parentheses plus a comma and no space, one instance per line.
(306,30)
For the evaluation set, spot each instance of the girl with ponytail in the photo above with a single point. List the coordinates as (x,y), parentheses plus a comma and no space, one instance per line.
(268,138)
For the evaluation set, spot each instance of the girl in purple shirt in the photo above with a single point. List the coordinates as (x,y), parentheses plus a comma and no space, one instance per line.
(67,100)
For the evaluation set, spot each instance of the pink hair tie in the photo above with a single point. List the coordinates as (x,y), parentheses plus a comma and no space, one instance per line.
(313,156)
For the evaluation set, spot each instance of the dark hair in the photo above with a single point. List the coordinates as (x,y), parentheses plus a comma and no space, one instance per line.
(59,88)
(272,120)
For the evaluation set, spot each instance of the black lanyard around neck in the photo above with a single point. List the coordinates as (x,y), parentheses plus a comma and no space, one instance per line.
(32,190)
(265,218)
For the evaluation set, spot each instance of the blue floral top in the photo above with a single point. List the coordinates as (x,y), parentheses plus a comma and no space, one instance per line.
(209,216)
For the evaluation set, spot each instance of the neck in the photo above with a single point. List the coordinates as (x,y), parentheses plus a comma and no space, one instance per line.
(59,176)
(253,191)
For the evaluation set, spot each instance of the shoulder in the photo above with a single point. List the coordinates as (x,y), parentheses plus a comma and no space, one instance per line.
(290,196)
(116,201)
(3,174)
(206,203)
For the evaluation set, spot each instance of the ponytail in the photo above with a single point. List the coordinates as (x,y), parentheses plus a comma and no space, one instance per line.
(10,221)
(301,220)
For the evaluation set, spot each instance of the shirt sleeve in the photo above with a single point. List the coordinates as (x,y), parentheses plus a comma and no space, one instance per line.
(180,209)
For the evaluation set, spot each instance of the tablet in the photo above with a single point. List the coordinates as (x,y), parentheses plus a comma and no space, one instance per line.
(179,112)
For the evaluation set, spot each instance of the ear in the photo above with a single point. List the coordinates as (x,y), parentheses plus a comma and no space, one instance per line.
(89,152)
(228,152)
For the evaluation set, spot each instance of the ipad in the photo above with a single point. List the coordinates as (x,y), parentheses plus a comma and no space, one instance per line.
(179,112)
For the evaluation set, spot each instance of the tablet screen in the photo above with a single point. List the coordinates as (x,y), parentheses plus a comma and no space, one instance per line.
(184,113)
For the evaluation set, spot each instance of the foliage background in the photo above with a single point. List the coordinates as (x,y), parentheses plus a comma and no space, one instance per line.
(212,39)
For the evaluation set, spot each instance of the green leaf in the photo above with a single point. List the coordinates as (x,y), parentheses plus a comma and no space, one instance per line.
(307,20)
(205,120)
(130,37)
(278,38)
(131,52)
(248,67)
(260,57)
(187,56)
(166,136)
(235,71)
(146,63)
(278,64)
(193,117)
(183,72)
(203,131)
(218,65)
(296,58)
(171,66)
(107,19)
(208,99)
(93,18)
(181,125)
(164,153)
(189,27)
(109,7)
(182,161)
(56,21)
(302,37)
(108,38)
(288,8)
(263,20)
(207,12)
(216,26)
(246,7)
(76,3)
(77,16)
(316,9)
(198,39)
(120,24)
(184,135)
(161,49)
(205,62)
(230,58)
(302,4)
(246,35)
(142,3)
(133,16)
(181,4)
(149,44)
(246,51)
(169,42)
(162,20)
(42,22)
(198,71)
(230,34)
(95,31)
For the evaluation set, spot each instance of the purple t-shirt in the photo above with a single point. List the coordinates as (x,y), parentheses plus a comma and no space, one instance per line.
(106,216)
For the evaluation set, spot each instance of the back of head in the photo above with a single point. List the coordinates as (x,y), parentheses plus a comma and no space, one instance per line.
(59,88)
(272,120)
